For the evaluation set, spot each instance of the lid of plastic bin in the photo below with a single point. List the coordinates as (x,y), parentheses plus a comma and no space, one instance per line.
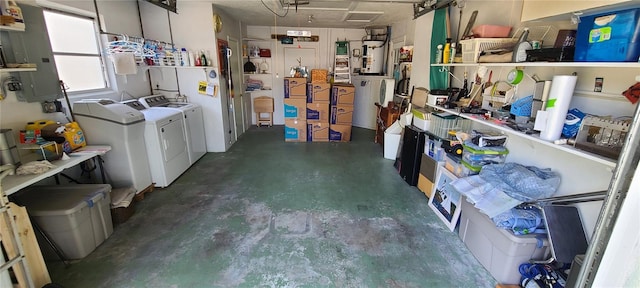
(61,199)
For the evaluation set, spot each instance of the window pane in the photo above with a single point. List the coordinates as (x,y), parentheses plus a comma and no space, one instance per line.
(71,34)
(80,72)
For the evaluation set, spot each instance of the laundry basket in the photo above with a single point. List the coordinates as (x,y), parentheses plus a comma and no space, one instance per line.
(263,107)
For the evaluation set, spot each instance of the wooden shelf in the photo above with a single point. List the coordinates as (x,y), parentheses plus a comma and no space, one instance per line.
(10,28)
(533,137)
(546,64)
(8,70)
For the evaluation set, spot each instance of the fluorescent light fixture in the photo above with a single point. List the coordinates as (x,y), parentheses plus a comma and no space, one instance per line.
(362,16)
(299,33)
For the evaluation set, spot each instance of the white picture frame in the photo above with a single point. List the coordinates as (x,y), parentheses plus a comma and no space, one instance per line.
(446,201)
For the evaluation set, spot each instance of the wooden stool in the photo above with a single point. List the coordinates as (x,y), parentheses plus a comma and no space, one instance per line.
(263,105)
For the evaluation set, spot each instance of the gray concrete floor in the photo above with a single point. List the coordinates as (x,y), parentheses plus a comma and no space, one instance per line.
(274,214)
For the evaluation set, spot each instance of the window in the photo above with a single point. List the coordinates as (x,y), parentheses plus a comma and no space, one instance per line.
(76,51)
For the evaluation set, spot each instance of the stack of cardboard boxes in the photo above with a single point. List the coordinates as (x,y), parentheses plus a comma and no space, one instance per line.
(317,111)
(295,109)
(342,96)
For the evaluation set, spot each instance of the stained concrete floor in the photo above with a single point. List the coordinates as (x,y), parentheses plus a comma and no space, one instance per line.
(274,214)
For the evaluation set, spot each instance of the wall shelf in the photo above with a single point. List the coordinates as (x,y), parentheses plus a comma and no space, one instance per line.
(10,28)
(533,137)
(8,70)
(546,64)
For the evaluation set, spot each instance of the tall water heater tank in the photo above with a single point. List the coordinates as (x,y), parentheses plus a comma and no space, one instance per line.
(372,57)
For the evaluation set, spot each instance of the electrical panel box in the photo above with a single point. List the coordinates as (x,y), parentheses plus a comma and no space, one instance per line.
(33,46)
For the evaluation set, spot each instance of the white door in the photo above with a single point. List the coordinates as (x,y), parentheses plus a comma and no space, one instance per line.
(367,94)
(236,76)
(172,139)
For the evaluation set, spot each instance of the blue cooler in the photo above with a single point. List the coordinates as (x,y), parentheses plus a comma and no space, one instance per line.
(609,37)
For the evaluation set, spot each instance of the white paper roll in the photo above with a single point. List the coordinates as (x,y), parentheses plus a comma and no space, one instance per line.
(557,106)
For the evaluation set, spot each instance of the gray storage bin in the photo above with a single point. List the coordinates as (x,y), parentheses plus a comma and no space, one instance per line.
(76,217)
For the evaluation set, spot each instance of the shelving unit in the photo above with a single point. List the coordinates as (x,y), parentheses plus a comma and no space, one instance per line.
(9,70)
(546,64)
(9,28)
(533,137)
(266,78)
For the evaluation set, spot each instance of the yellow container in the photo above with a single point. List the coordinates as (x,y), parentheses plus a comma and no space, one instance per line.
(38,124)
(74,135)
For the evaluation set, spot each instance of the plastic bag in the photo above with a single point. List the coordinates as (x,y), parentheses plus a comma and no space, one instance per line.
(520,221)
(524,183)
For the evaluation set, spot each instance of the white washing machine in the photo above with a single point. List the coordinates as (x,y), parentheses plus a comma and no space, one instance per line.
(166,143)
(194,123)
(106,122)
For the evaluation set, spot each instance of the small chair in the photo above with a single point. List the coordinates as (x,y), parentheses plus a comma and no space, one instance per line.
(263,107)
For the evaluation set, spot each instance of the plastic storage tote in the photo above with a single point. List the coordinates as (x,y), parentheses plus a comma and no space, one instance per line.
(76,217)
(609,37)
(498,250)
(477,157)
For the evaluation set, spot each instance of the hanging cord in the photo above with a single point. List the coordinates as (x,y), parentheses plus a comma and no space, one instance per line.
(274,12)
(66,97)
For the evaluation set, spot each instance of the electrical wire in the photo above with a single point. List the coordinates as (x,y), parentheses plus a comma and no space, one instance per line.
(274,12)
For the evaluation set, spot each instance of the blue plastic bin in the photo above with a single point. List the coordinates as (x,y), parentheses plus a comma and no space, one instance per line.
(609,37)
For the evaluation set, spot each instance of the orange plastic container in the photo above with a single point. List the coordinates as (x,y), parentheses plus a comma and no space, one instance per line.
(491,31)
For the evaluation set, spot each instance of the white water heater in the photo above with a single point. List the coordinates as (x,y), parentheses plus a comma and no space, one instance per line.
(372,57)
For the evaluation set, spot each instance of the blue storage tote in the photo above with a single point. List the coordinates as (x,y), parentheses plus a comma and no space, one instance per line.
(609,37)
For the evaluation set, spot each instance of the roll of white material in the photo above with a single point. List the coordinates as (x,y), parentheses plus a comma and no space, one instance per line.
(557,106)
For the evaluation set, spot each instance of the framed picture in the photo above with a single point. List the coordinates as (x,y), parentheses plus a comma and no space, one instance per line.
(445,201)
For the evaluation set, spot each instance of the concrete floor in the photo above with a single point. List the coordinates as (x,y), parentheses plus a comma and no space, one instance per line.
(274,214)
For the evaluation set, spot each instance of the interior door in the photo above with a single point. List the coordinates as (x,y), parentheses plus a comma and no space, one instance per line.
(234,62)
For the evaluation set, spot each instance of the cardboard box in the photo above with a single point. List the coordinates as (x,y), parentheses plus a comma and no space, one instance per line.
(342,94)
(295,87)
(429,167)
(339,133)
(318,112)
(295,130)
(295,109)
(319,75)
(425,185)
(317,131)
(318,92)
(341,114)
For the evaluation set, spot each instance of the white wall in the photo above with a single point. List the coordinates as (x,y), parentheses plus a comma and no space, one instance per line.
(119,17)
(192,28)
(325,49)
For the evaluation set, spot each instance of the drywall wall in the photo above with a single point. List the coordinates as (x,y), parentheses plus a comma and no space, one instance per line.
(118,17)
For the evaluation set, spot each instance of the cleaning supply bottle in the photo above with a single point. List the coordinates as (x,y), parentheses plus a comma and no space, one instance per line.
(453,52)
(198,60)
(203,59)
(184,57)
(439,54)
(192,59)
(446,53)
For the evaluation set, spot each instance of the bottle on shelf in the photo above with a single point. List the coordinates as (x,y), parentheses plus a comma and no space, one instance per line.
(446,53)
(198,60)
(439,54)
(184,57)
(453,52)
(192,59)
(203,59)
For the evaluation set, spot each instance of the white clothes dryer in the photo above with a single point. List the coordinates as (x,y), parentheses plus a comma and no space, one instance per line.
(194,123)
(165,139)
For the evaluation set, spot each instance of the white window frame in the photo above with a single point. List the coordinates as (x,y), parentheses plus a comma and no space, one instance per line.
(107,85)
